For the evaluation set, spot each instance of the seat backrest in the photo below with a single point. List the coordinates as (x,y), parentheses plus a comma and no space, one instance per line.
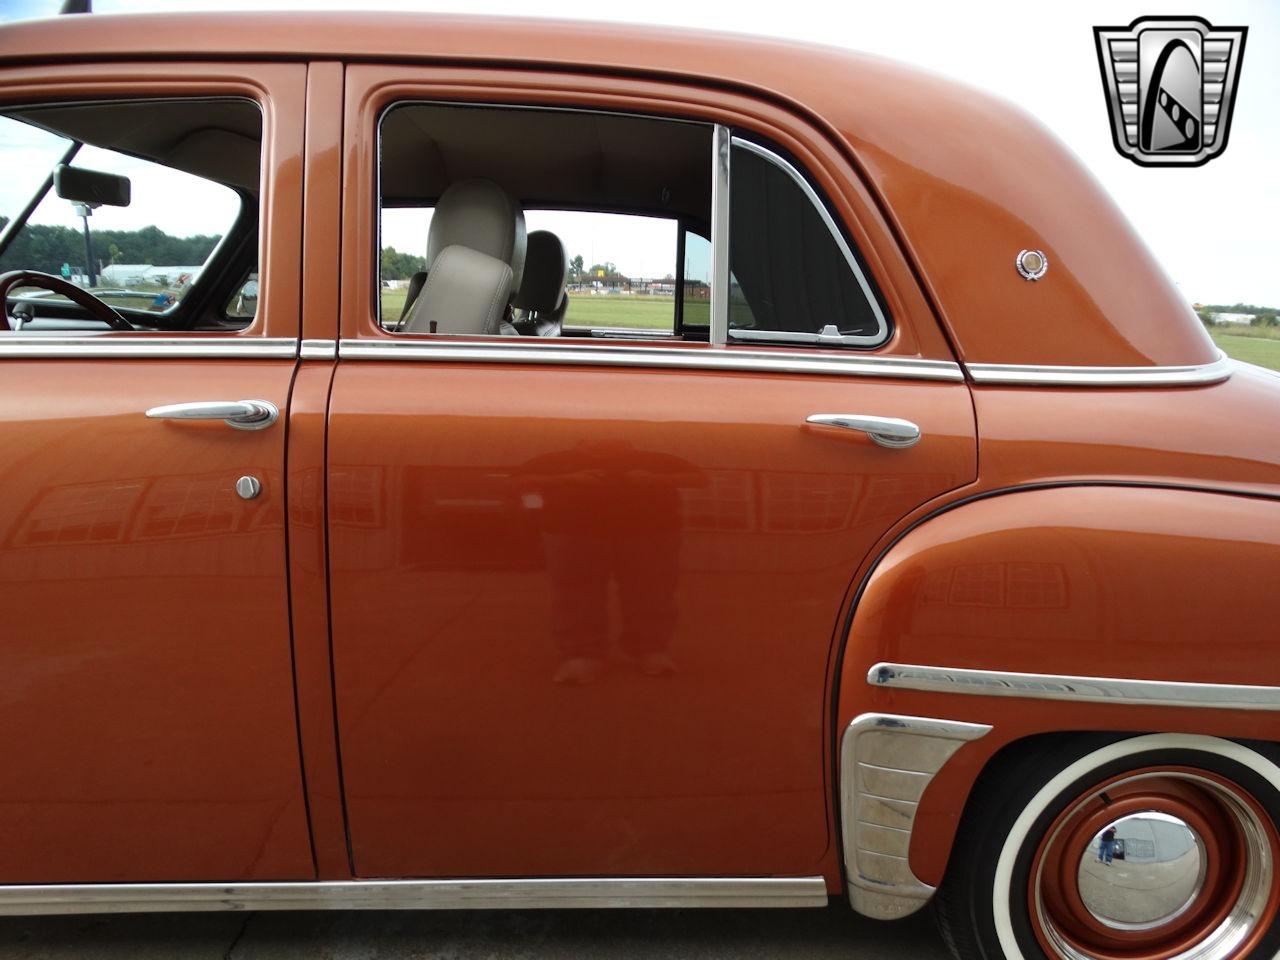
(541,295)
(475,258)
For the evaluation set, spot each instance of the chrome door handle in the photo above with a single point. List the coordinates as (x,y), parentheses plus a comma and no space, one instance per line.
(241,414)
(886,431)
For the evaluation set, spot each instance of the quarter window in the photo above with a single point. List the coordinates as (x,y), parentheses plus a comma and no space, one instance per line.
(793,276)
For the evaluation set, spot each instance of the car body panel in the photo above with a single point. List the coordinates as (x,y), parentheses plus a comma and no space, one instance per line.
(1099,580)
(153,674)
(472,550)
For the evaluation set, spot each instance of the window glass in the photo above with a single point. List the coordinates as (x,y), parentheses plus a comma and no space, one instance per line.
(243,305)
(142,256)
(697,280)
(621,268)
(27,154)
(791,280)
(611,188)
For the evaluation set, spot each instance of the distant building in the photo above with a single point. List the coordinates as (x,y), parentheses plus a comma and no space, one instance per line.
(1243,319)
(132,275)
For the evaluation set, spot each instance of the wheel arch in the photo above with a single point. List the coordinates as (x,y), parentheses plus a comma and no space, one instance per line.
(1069,581)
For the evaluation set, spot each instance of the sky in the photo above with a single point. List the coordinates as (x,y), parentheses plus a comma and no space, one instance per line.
(1216,228)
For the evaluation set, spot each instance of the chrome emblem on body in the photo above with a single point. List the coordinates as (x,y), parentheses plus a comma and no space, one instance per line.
(1170,84)
(1032,264)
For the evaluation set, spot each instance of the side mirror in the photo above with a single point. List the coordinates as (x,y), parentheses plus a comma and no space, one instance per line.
(91,187)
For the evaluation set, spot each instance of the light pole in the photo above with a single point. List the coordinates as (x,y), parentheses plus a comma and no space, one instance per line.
(85,211)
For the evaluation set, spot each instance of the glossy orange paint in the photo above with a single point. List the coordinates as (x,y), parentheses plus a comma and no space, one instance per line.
(685,523)
(1110,580)
(148,683)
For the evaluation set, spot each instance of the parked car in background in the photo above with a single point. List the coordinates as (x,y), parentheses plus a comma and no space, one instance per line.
(937,540)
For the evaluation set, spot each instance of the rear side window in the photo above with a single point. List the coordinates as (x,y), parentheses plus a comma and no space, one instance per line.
(794,278)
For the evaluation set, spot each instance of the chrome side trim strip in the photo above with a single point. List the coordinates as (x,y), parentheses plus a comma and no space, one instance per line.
(1032,375)
(319,350)
(886,762)
(143,346)
(414,895)
(600,354)
(1045,686)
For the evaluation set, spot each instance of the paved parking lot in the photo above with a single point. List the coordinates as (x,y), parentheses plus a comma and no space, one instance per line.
(473,935)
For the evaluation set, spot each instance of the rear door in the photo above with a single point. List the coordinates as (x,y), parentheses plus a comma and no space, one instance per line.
(147,688)
(585,589)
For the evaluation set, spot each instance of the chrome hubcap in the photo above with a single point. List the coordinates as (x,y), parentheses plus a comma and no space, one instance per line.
(1143,871)
(1170,864)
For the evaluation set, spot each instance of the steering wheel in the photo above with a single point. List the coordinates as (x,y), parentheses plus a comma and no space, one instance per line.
(98,309)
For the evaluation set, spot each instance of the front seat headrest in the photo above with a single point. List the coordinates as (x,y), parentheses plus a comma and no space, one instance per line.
(546,268)
(479,215)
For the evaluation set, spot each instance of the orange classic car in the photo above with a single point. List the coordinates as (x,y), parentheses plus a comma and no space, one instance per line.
(452,462)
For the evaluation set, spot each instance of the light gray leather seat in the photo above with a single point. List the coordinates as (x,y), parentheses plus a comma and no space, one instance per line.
(541,297)
(475,258)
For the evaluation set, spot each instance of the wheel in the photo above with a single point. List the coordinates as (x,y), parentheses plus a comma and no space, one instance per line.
(1158,847)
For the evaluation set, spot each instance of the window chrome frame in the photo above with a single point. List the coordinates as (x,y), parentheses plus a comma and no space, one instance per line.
(721,184)
(817,338)
(239,193)
(35,345)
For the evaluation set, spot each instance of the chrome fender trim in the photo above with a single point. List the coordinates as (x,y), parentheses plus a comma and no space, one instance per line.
(1015,374)
(1047,686)
(415,895)
(886,762)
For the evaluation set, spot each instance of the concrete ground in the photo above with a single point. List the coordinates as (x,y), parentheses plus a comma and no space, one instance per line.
(473,935)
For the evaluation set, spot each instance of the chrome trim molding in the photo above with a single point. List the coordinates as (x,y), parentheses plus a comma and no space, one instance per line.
(319,350)
(143,346)
(26,900)
(886,762)
(698,357)
(1033,375)
(882,324)
(1045,686)
(721,144)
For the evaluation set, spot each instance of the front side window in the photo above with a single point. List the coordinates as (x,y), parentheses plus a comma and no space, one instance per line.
(131,201)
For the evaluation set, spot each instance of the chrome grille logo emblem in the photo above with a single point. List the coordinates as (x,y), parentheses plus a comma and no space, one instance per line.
(1170,84)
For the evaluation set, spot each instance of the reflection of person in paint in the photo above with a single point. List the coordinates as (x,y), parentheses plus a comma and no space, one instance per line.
(1107,846)
(610,512)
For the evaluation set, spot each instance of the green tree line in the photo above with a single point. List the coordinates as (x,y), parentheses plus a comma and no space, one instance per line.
(400,266)
(46,248)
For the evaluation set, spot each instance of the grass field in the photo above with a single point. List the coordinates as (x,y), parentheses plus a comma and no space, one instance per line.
(1260,345)
(1262,350)
(643,312)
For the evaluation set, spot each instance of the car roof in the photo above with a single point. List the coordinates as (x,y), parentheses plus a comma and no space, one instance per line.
(967,180)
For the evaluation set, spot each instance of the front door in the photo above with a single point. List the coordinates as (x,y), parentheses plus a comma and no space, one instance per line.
(146,688)
(586,587)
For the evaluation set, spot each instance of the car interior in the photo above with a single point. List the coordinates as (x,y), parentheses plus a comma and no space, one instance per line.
(475,174)
(217,140)
(479,169)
